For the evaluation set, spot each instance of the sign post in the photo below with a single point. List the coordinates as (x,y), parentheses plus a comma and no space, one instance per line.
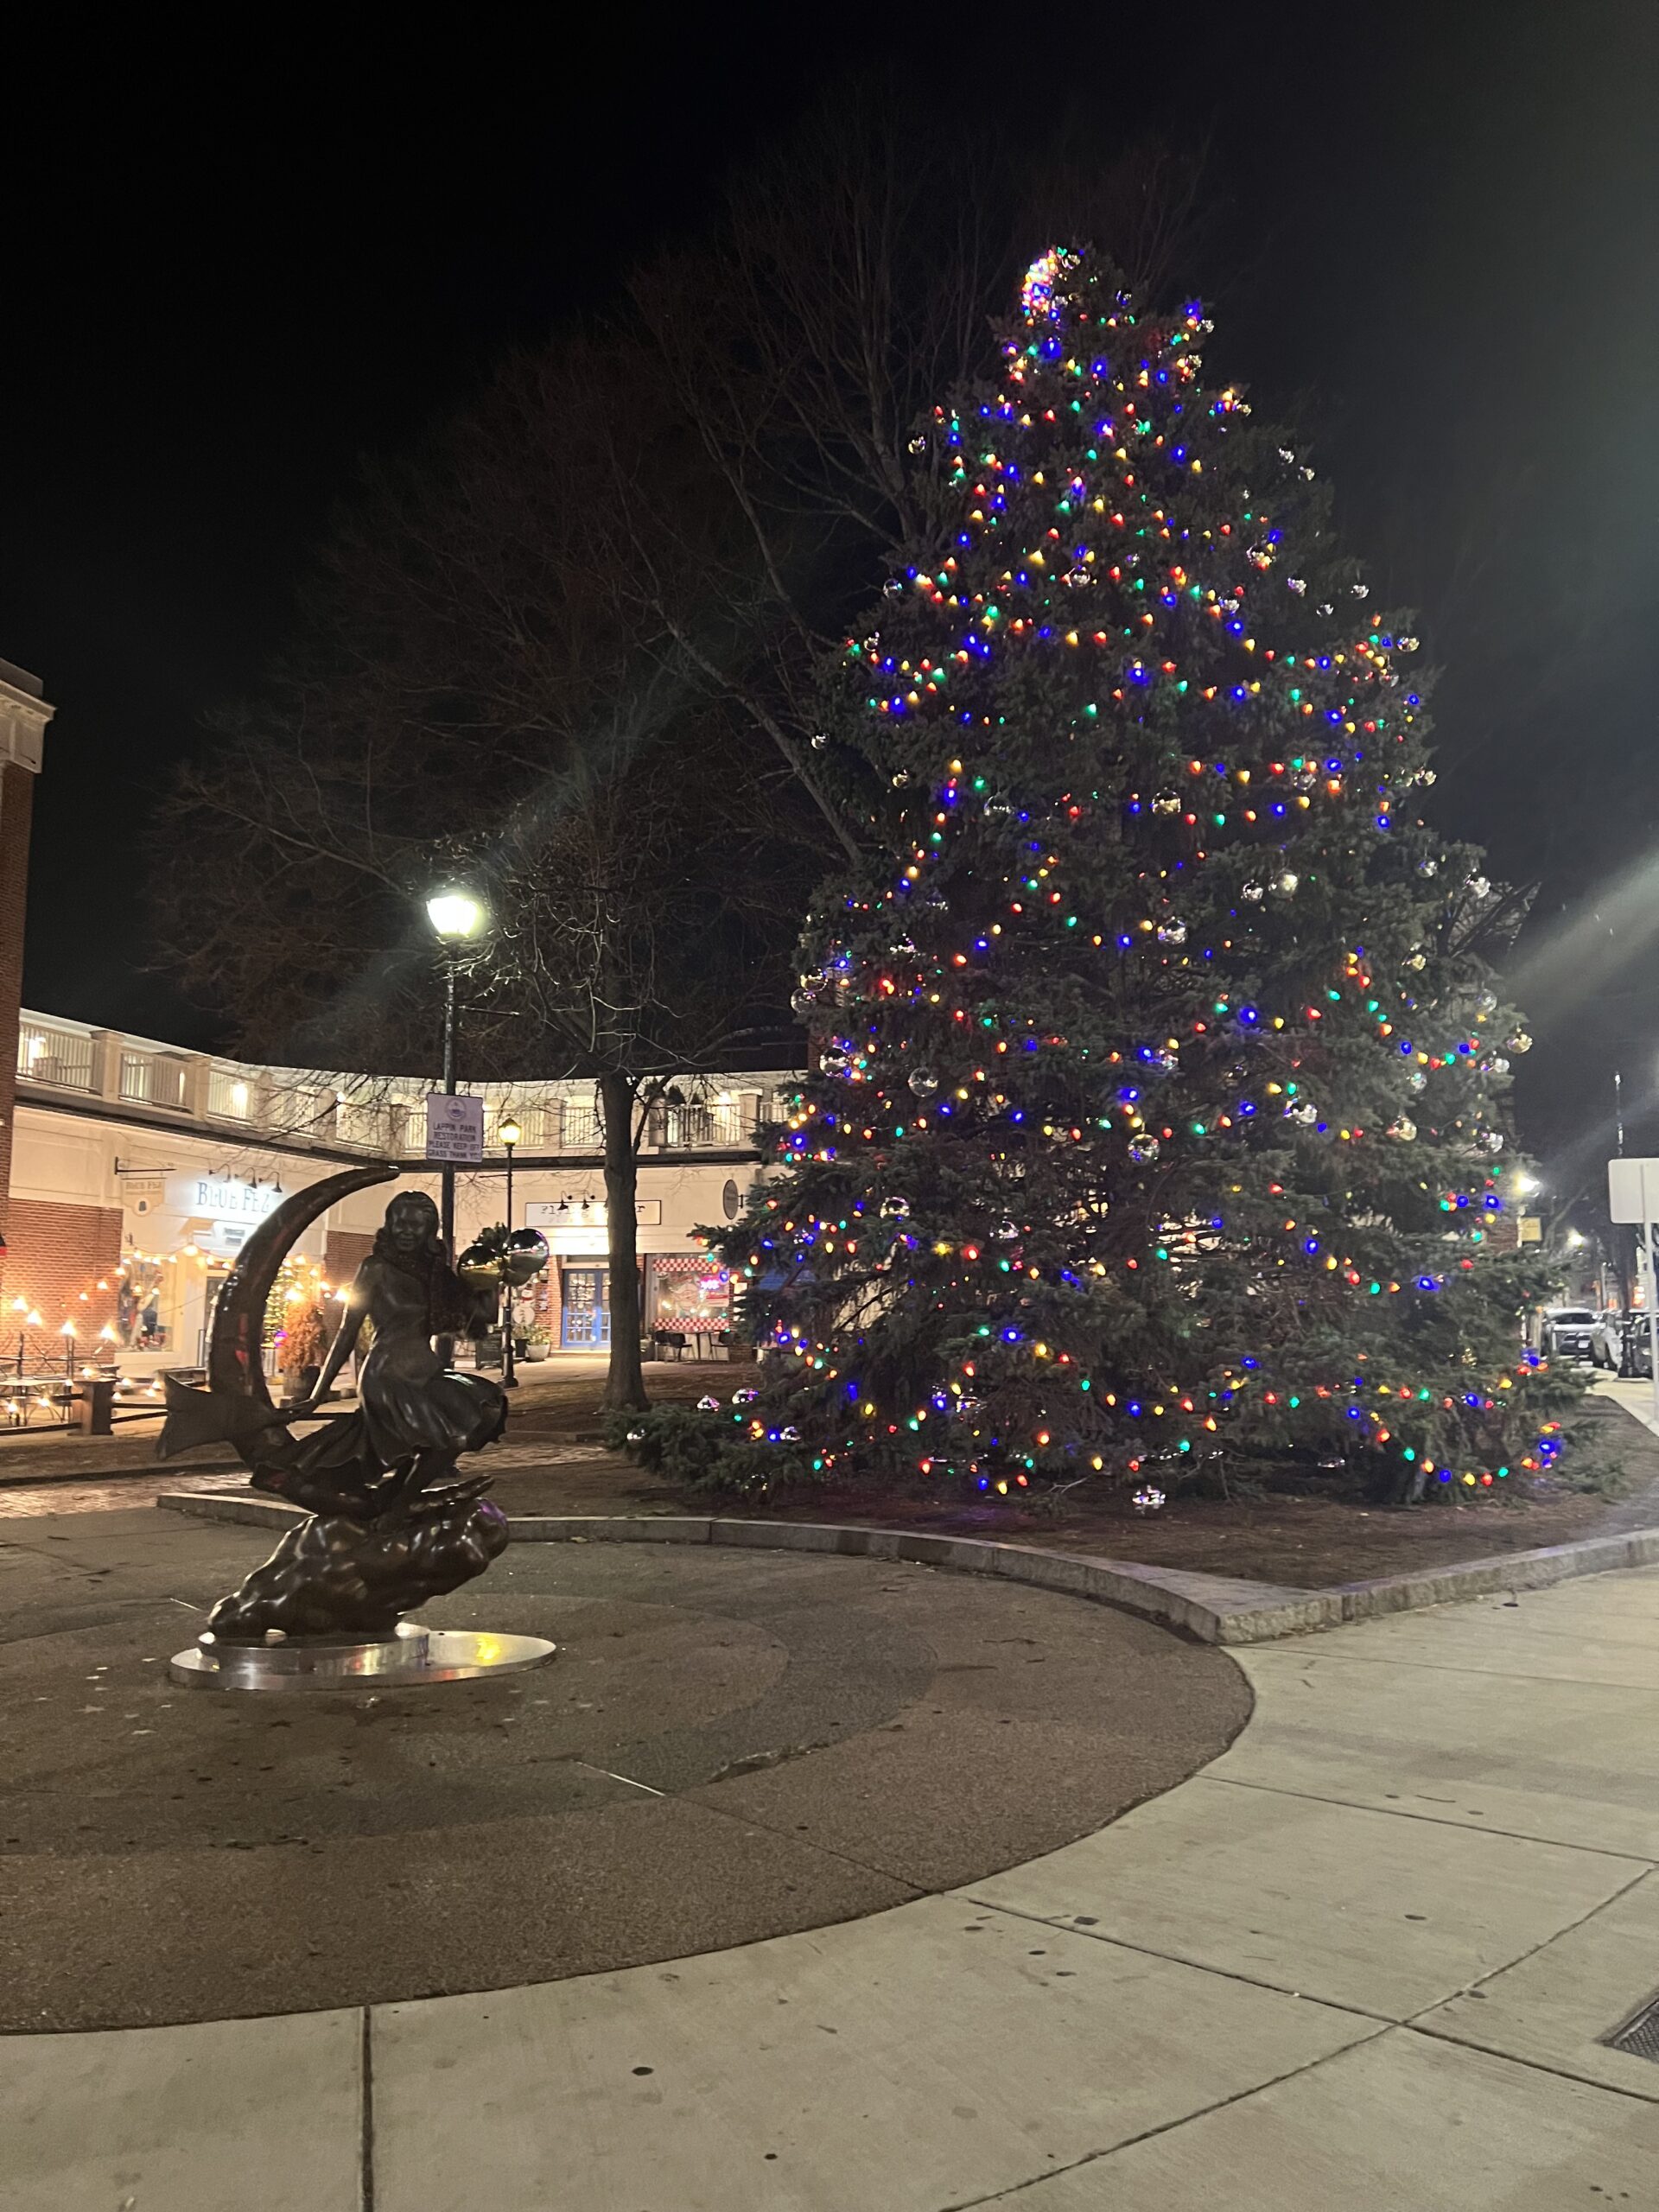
(1633,1195)
(454,1135)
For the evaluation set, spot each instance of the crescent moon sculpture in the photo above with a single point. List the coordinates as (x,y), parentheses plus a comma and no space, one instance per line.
(388,1523)
(236,1406)
(235,1341)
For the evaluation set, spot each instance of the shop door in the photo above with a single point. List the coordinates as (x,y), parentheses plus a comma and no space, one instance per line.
(586,1319)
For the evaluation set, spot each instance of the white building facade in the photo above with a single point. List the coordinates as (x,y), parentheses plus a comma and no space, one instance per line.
(139,1170)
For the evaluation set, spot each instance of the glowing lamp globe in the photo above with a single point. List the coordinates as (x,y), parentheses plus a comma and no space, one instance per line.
(455,915)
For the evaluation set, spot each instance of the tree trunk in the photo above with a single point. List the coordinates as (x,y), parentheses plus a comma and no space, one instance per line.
(625,1386)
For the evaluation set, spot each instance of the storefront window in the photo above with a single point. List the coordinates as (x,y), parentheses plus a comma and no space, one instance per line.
(691,1293)
(138,1302)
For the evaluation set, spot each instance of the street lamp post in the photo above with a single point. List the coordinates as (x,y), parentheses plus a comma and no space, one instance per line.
(456,918)
(509,1133)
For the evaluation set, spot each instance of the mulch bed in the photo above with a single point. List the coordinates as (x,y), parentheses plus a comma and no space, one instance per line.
(1307,1540)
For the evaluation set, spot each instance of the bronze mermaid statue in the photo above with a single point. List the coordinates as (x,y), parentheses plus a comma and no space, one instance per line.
(414,1416)
(392,1523)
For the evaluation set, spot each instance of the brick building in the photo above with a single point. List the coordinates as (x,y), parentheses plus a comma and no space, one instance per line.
(24,717)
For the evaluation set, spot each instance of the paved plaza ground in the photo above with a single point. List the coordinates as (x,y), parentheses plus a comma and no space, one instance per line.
(810,1888)
(726,1748)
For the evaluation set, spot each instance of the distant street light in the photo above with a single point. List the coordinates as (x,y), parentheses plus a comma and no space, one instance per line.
(1526,1185)
(509,1132)
(457,916)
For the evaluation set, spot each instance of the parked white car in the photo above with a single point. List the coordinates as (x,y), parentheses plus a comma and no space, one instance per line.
(1566,1331)
(1607,1339)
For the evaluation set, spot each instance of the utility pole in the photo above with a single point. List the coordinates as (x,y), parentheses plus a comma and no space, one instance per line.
(446,1171)
(456,918)
(509,1134)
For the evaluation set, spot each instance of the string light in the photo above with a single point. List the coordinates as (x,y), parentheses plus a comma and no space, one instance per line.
(1143,753)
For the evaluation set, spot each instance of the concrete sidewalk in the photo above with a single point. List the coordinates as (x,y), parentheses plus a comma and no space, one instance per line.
(1634,1393)
(1367,1957)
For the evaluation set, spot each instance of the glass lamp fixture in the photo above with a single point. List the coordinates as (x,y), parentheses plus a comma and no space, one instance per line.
(455,915)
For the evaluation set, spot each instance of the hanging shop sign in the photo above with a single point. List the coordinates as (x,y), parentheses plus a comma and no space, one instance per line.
(143,1193)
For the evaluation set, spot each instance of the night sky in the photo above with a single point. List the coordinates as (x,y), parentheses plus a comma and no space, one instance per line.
(1437,235)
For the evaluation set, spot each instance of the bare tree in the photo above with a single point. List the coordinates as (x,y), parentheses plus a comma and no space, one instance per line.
(474,688)
(635,963)
(577,635)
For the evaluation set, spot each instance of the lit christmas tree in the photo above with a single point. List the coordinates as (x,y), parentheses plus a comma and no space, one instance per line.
(1159,1109)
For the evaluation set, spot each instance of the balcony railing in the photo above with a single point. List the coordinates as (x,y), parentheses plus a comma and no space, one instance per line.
(716,1123)
(58,1057)
(151,1079)
(580,1130)
(368,1114)
(230,1095)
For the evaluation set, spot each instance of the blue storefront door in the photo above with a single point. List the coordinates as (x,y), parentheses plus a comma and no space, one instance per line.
(586,1315)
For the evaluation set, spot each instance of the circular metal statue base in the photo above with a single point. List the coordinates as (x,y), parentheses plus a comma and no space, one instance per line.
(409,1657)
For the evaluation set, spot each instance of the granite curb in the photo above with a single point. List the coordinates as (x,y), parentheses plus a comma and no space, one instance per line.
(1211,1607)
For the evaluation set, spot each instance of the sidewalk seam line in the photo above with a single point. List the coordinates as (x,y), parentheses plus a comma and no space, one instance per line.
(1198,1966)
(1543,1944)
(1447,1666)
(1165,2127)
(1495,1973)
(1435,1819)
(365,2140)
(1560,2073)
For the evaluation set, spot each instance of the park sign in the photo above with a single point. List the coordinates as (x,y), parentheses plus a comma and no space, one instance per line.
(454,1130)
(1633,1189)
